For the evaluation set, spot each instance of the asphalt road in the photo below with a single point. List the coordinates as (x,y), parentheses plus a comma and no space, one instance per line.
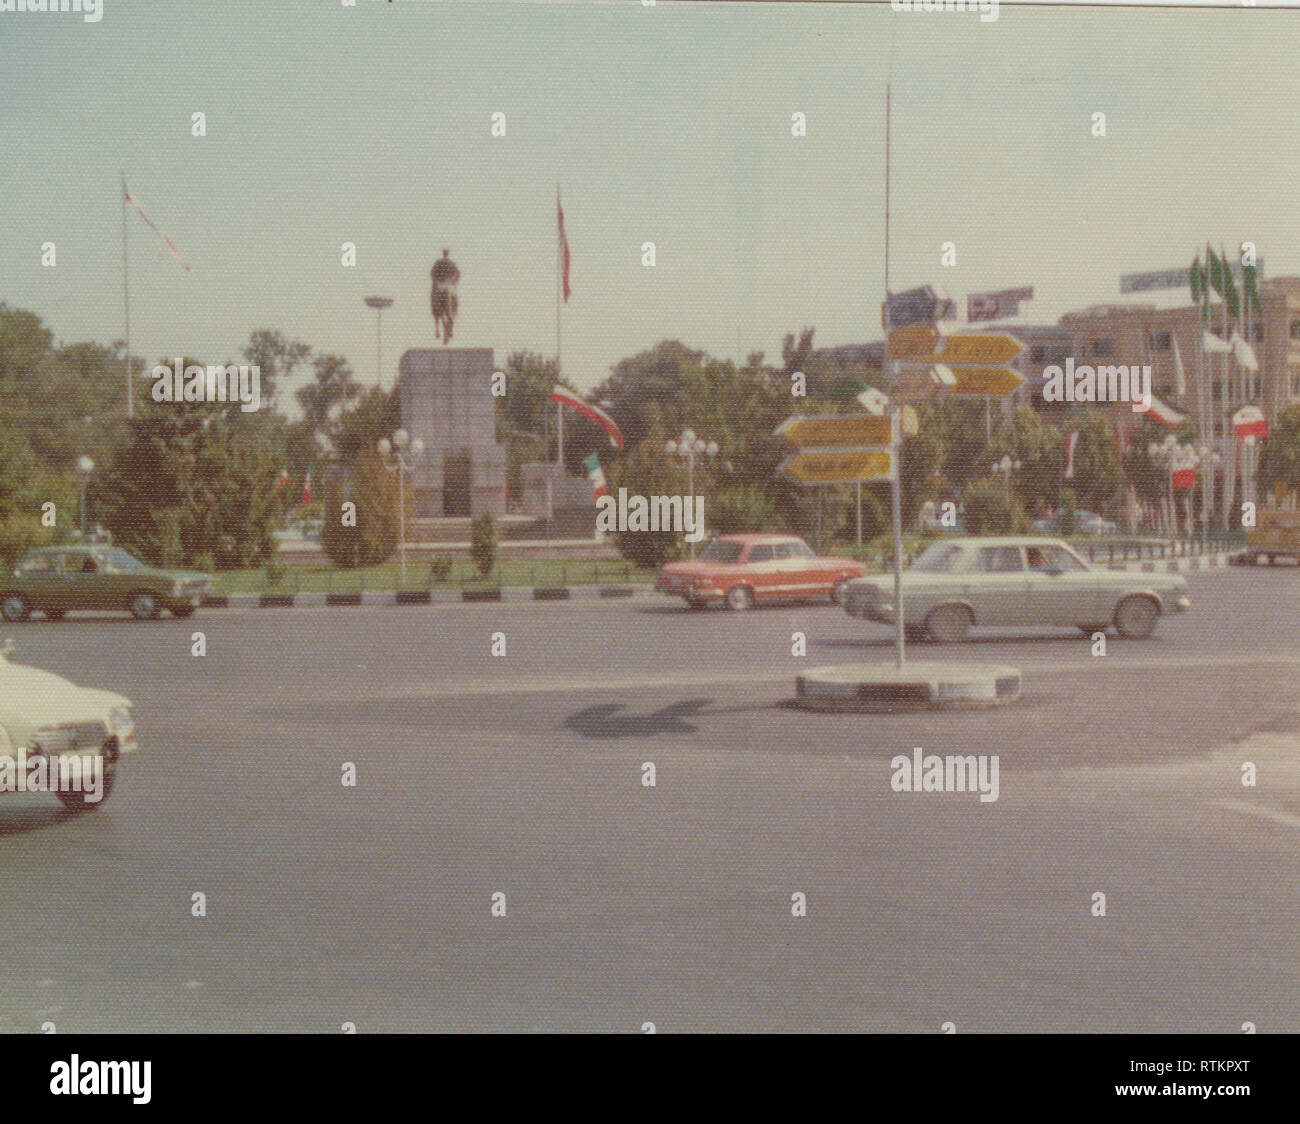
(521,774)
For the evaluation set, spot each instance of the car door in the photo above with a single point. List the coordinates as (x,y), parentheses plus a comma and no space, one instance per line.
(1062,590)
(40,581)
(761,572)
(795,576)
(997,586)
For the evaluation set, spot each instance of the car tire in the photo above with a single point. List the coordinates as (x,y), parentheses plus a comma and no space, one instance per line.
(1136,618)
(182,611)
(839,590)
(14,608)
(55,614)
(76,802)
(142,605)
(740,598)
(948,624)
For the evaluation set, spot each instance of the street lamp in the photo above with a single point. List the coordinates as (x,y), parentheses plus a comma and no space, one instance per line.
(85,466)
(401,462)
(688,447)
(379,304)
(1006,466)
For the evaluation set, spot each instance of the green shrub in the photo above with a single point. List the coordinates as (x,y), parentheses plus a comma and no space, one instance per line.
(483,543)
(440,568)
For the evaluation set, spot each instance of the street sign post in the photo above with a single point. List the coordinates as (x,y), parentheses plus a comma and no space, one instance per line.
(994,382)
(839,466)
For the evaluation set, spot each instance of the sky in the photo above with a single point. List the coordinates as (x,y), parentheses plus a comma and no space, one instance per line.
(668,124)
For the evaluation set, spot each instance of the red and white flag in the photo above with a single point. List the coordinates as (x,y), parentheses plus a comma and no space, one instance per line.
(602,419)
(1249,421)
(564,247)
(284,479)
(1070,441)
(306,488)
(1161,412)
(170,244)
(596,475)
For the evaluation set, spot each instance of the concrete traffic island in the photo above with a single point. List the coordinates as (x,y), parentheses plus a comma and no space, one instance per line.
(919,685)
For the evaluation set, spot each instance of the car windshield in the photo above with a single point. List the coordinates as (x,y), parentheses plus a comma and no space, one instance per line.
(718,551)
(940,558)
(118,559)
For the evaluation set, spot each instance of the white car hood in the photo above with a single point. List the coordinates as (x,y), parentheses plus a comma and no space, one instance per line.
(31,698)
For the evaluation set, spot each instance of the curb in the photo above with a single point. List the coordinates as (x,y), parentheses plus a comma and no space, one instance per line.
(373,597)
(923,685)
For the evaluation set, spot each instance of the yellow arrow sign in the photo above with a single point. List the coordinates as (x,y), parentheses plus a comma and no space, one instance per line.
(974,349)
(855,429)
(915,340)
(991,381)
(838,466)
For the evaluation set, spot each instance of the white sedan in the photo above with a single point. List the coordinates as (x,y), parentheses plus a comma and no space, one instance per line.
(1015,580)
(51,728)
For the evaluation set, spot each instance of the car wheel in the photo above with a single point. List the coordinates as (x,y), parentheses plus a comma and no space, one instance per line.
(839,590)
(948,623)
(143,605)
(78,802)
(1136,618)
(55,614)
(183,611)
(740,597)
(14,608)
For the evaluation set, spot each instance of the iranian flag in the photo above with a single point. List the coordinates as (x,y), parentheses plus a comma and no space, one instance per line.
(1070,442)
(602,419)
(306,488)
(596,475)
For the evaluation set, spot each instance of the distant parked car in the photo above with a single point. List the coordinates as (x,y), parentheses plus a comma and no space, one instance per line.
(742,569)
(56,579)
(1016,580)
(49,716)
(1085,523)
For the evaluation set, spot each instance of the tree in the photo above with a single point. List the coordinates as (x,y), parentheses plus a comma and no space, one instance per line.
(647,471)
(991,508)
(24,488)
(1279,461)
(331,390)
(192,485)
(1098,468)
(362,524)
(276,357)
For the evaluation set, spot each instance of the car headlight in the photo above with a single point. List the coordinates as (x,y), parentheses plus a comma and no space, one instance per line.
(121,722)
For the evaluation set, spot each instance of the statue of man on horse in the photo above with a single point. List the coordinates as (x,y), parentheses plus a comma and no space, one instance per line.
(443,298)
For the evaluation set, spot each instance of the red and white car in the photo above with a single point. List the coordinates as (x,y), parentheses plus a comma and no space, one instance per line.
(743,569)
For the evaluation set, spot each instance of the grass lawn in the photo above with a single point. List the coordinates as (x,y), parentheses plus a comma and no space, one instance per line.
(533,572)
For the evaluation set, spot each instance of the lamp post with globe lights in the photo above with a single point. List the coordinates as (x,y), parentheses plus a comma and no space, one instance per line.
(399,455)
(85,466)
(688,446)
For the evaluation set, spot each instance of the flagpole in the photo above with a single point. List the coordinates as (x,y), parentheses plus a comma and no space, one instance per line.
(126,309)
(559,291)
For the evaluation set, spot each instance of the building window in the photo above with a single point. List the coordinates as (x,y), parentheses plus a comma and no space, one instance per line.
(1295,329)
(1295,384)
(1103,346)
(1037,354)
(1159,341)
(1218,390)
(1257,330)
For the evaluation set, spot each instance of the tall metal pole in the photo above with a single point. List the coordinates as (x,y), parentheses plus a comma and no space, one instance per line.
(690,485)
(895,484)
(126,310)
(559,292)
(401,509)
(379,346)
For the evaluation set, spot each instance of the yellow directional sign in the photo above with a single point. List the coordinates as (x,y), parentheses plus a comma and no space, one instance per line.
(839,466)
(972,348)
(991,381)
(850,430)
(915,340)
